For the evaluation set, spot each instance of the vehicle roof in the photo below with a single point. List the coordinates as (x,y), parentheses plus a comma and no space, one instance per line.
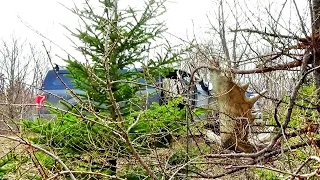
(60,70)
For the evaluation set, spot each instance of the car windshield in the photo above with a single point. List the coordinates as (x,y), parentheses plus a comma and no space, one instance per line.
(53,82)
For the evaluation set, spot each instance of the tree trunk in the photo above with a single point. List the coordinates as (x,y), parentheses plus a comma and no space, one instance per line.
(316,44)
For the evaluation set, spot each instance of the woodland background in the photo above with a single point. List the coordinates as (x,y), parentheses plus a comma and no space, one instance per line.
(276,49)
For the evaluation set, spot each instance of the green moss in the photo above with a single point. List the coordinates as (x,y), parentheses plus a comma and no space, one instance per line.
(267,175)
(45,159)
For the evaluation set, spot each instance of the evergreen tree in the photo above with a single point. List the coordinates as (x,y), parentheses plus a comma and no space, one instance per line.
(114,42)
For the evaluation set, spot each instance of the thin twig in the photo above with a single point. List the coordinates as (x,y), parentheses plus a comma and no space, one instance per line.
(302,24)
(266,34)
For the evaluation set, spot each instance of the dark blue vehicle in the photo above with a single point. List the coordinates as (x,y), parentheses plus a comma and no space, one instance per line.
(54,89)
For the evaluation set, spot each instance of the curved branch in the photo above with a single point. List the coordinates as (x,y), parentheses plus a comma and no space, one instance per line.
(55,157)
(286,66)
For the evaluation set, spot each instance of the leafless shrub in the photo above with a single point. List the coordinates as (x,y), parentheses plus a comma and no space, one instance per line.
(22,69)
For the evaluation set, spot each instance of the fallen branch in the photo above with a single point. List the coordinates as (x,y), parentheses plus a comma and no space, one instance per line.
(303,164)
(55,157)
(260,158)
(264,167)
(83,172)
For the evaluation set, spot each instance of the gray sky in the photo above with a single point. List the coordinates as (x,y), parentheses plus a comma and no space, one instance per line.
(183,18)
(46,16)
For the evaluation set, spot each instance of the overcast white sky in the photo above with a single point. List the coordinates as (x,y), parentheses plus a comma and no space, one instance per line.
(46,16)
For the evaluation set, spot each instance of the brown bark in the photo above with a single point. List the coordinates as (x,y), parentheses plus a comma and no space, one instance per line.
(316,44)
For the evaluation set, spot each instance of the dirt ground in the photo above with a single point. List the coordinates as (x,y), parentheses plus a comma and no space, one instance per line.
(7,145)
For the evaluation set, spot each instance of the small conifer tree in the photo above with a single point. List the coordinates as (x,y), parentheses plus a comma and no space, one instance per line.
(111,112)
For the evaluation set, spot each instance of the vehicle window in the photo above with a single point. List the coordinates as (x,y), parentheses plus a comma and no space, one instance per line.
(53,82)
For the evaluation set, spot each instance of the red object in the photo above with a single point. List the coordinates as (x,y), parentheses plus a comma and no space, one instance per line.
(39,101)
